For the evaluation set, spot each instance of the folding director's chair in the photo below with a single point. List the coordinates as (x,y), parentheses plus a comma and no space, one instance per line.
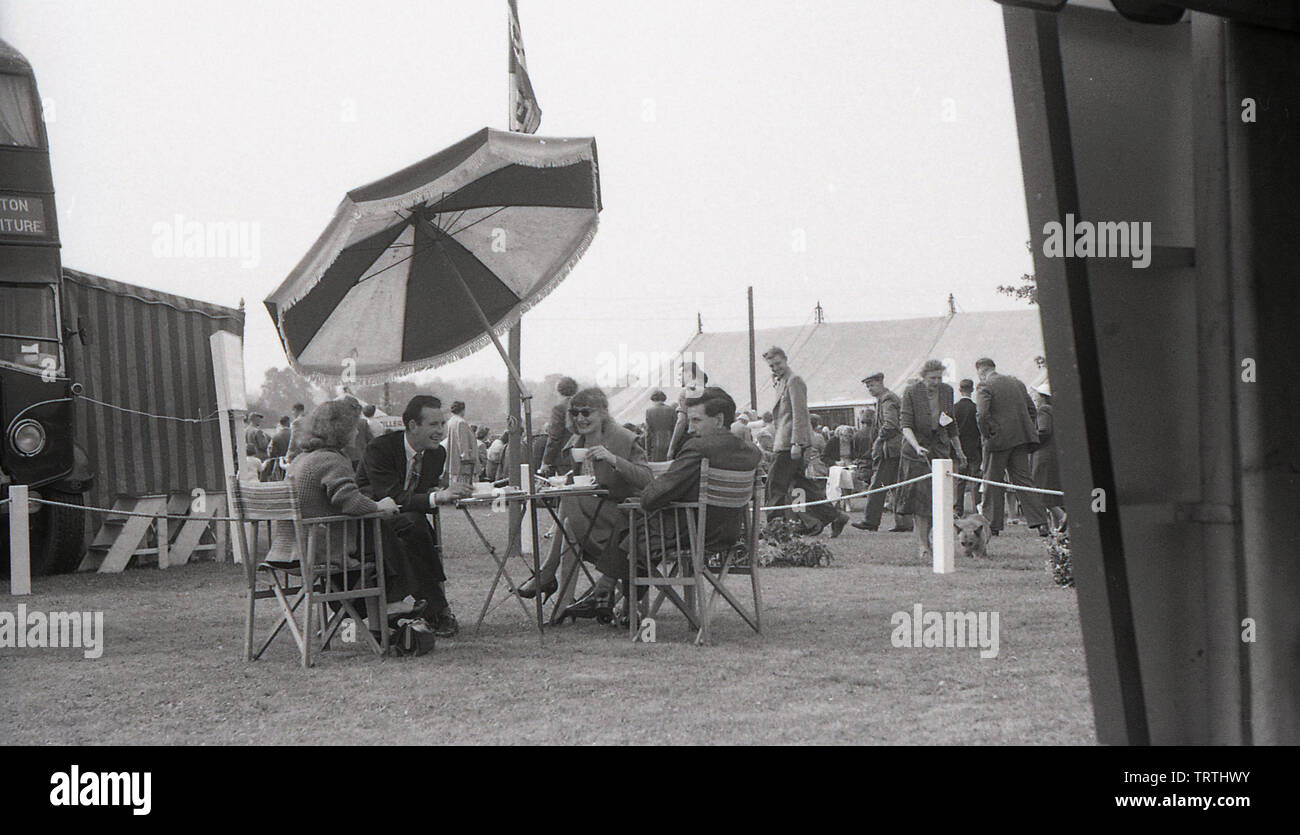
(340,579)
(685,560)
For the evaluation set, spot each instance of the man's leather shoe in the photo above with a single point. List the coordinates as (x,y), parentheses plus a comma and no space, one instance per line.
(897,529)
(445,625)
(863,526)
(839,523)
(590,605)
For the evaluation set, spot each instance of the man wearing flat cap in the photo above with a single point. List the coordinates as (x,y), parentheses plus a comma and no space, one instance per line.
(886,452)
(255,439)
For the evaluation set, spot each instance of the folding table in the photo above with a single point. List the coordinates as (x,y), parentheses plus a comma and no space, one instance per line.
(547,499)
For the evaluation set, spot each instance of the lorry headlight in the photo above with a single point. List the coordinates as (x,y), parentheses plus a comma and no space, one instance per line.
(28,438)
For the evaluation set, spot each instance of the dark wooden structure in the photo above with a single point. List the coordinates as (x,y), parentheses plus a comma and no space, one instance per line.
(1174,383)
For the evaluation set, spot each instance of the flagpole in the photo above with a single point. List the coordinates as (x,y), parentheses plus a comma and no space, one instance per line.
(515,396)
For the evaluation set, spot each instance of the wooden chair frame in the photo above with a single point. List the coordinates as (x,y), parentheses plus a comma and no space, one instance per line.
(718,488)
(308,582)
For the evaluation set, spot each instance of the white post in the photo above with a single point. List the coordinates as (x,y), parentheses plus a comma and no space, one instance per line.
(525,517)
(941,529)
(228,372)
(20,557)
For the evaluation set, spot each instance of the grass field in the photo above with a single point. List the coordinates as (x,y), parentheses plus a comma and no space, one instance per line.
(825,672)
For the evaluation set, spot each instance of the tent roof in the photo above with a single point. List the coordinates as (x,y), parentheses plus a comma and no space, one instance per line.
(148,296)
(833,357)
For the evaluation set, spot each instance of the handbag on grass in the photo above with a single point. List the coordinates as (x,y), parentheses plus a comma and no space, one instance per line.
(412,637)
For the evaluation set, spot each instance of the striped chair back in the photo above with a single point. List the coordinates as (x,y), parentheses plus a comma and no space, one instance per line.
(261,501)
(726,488)
(321,581)
(701,585)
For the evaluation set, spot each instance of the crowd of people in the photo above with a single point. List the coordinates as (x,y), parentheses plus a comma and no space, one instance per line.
(342,461)
(479,453)
(995,431)
(408,474)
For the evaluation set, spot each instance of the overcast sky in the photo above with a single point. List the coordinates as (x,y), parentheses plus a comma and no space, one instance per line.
(881,132)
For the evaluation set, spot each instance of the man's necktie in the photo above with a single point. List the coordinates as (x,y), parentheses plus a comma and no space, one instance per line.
(413,477)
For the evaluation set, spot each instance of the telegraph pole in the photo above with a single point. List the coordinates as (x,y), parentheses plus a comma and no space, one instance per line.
(753,372)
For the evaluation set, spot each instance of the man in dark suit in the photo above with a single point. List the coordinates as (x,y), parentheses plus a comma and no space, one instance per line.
(406,467)
(299,429)
(659,421)
(255,439)
(1008,426)
(861,452)
(280,439)
(968,431)
(886,450)
(709,418)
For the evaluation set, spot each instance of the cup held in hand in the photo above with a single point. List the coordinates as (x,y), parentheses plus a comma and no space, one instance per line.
(579,453)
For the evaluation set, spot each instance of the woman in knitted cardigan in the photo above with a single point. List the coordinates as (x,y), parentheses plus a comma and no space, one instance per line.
(326,485)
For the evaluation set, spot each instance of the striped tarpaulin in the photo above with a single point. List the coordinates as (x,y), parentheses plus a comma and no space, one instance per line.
(148,352)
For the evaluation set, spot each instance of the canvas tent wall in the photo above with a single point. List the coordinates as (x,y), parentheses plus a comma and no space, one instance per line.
(833,357)
(149,352)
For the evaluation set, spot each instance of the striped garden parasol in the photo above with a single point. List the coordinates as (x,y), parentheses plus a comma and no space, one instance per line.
(431,263)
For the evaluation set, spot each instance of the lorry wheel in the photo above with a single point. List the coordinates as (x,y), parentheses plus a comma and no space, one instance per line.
(57,536)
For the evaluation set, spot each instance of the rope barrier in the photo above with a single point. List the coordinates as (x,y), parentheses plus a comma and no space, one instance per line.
(798,506)
(1016,487)
(35,500)
(848,495)
(214,416)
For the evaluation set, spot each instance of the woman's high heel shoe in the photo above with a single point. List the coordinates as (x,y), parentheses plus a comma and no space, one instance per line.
(529,589)
(591,605)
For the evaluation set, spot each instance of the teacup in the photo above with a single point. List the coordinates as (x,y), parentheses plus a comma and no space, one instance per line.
(584,481)
(579,453)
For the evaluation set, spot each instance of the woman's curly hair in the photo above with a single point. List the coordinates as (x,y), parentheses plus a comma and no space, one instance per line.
(592,398)
(332,425)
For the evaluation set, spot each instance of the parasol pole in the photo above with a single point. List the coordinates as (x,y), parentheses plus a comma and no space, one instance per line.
(525,396)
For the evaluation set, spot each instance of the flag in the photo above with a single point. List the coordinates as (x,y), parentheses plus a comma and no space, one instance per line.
(525,112)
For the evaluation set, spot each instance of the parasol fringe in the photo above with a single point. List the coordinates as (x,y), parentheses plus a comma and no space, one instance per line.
(476,344)
(473,168)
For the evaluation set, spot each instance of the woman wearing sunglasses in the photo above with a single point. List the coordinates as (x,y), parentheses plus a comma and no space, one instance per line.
(615,457)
